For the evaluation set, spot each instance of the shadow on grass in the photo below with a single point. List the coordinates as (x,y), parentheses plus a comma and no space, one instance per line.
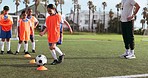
(18,65)
(92,57)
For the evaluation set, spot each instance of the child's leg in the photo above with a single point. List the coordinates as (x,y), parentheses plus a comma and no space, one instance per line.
(33,43)
(2,45)
(26,46)
(58,50)
(52,49)
(8,44)
(19,46)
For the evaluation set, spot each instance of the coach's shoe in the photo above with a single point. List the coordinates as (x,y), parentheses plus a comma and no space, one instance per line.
(16,53)
(61,58)
(55,62)
(9,52)
(2,52)
(33,51)
(126,53)
(131,56)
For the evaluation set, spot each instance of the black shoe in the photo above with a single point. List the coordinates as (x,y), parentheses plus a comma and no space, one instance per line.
(2,52)
(27,53)
(54,62)
(16,53)
(61,58)
(33,51)
(9,52)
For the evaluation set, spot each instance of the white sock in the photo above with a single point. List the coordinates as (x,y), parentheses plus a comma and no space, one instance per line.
(2,46)
(33,45)
(8,46)
(54,54)
(58,51)
(132,51)
(18,47)
(26,47)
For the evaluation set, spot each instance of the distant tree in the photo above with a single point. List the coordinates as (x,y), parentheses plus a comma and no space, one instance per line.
(17,3)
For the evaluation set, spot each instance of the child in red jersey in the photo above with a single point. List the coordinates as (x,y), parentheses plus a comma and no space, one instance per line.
(24,32)
(53,33)
(6,26)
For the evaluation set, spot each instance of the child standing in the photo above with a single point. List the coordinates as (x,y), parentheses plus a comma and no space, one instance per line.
(6,26)
(34,23)
(53,33)
(23,32)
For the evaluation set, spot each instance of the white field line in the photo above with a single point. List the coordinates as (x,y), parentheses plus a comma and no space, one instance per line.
(128,76)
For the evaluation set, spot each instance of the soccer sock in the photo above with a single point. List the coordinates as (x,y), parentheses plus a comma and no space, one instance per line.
(54,54)
(8,46)
(18,47)
(33,45)
(132,51)
(26,47)
(58,51)
(2,46)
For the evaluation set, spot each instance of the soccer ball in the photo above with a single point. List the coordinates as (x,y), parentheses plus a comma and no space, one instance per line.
(41,60)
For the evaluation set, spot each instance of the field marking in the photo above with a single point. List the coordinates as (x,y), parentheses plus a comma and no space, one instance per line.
(127,76)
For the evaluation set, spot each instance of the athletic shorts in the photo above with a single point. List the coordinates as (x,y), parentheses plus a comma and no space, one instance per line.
(5,34)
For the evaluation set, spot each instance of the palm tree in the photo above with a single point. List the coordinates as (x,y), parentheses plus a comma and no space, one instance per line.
(104,6)
(46,2)
(93,11)
(142,21)
(90,4)
(75,2)
(37,2)
(26,2)
(111,14)
(78,8)
(17,3)
(118,6)
(61,2)
(56,2)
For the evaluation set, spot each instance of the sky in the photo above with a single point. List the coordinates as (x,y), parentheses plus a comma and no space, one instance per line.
(68,6)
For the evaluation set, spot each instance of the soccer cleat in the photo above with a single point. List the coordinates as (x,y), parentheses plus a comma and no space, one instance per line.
(61,58)
(33,51)
(16,53)
(2,52)
(55,62)
(131,56)
(27,53)
(9,52)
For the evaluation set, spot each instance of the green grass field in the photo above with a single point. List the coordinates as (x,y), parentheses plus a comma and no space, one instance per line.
(87,56)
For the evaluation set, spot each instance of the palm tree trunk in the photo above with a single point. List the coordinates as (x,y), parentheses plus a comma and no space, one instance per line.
(61,8)
(78,17)
(16,9)
(89,21)
(92,22)
(74,17)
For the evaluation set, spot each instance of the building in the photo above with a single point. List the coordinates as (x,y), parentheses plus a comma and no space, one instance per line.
(84,19)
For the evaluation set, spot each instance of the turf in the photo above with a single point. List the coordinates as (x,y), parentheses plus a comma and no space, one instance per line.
(87,56)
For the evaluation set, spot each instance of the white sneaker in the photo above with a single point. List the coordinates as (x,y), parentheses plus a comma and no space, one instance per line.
(130,56)
(124,55)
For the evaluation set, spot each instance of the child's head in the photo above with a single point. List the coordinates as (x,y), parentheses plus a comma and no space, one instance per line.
(24,14)
(51,9)
(5,10)
(29,11)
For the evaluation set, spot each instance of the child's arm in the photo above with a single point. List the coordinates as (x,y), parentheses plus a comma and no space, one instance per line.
(42,33)
(68,25)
